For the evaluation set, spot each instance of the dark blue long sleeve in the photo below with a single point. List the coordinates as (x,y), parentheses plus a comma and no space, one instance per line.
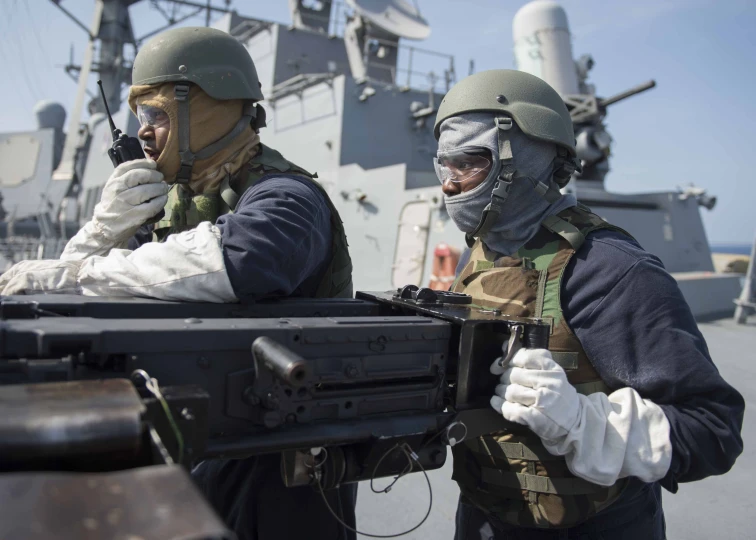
(639,332)
(276,243)
(278,240)
(634,324)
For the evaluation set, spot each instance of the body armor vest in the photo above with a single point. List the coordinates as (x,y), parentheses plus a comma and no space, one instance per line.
(185,211)
(510,475)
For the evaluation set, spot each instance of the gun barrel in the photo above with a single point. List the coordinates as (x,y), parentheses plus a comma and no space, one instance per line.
(627,93)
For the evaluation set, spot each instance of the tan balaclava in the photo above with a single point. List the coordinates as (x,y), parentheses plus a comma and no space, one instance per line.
(210,119)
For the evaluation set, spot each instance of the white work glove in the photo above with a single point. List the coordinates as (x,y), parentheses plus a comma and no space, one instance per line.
(28,277)
(186,267)
(133,194)
(603,438)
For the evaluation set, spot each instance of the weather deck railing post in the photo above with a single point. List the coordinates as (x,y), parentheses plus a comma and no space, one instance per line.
(746,304)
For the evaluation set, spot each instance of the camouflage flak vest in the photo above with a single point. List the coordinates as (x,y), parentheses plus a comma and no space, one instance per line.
(184,211)
(510,475)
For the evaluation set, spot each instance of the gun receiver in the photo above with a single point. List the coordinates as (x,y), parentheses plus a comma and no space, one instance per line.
(338,386)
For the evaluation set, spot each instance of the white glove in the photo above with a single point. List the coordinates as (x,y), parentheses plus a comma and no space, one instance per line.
(133,194)
(603,438)
(29,277)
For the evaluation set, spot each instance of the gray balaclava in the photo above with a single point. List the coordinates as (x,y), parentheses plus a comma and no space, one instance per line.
(525,208)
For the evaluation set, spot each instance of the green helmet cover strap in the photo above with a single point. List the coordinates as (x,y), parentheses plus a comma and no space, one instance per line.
(500,193)
(181,92)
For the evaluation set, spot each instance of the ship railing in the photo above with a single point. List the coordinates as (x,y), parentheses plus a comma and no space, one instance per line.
(14,249)
(298,84)
(416,67)
(746,304)
(407,75)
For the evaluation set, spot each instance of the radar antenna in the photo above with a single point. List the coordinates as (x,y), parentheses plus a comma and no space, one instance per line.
(372,36)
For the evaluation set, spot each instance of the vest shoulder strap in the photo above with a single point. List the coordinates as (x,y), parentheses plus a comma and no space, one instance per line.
(574,224)
(266,161)
(337,280)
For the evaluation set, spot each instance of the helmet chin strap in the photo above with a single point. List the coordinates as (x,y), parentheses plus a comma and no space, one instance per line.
(506,177)
(181,94)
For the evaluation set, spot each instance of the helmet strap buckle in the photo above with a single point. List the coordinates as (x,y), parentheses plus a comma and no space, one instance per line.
(181,92)
(493,210)
(504,123)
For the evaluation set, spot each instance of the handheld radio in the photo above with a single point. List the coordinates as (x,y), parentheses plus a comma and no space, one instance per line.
(125,149)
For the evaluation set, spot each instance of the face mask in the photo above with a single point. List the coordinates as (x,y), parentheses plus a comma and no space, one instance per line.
(524,209)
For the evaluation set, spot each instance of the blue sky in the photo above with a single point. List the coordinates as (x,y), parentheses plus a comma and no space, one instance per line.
(697,126)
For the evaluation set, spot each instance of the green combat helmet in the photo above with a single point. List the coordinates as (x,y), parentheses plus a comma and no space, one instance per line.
(213,60)
(538,111)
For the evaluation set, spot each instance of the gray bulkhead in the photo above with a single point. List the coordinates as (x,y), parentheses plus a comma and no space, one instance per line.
(373,158)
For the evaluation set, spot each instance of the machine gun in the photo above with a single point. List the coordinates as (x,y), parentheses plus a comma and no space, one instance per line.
(345,389)
(587,108)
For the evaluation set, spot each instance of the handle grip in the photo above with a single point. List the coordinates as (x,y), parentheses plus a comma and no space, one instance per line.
(537,336)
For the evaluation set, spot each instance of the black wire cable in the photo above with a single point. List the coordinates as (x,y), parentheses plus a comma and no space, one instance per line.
(410,457)
(406,471)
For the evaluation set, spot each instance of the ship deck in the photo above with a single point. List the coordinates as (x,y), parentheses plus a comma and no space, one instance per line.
(717,507)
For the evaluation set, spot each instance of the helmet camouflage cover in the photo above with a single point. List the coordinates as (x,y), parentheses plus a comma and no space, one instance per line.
(210,58)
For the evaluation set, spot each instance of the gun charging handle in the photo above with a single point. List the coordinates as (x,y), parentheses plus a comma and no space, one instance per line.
(125,149)
(532,336)
(285,364)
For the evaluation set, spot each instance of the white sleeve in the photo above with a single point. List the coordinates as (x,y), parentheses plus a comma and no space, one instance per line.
(89,242)
(616,436)
(186,267)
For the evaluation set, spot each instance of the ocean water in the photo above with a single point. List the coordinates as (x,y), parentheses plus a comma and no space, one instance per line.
(739,249)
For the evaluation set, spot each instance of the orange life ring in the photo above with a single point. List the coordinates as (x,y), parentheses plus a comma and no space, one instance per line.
(445,259)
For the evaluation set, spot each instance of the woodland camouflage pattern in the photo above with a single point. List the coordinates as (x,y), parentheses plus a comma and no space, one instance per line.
(510,475)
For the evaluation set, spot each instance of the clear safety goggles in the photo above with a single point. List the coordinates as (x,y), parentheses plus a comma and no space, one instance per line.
(463,165)
(154,117)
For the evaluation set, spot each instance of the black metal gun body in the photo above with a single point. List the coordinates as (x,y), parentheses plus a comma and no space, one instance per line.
(356,377)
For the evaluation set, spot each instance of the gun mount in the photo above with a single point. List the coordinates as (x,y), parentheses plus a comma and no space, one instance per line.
(628,93)
(340,387)
(589,109)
